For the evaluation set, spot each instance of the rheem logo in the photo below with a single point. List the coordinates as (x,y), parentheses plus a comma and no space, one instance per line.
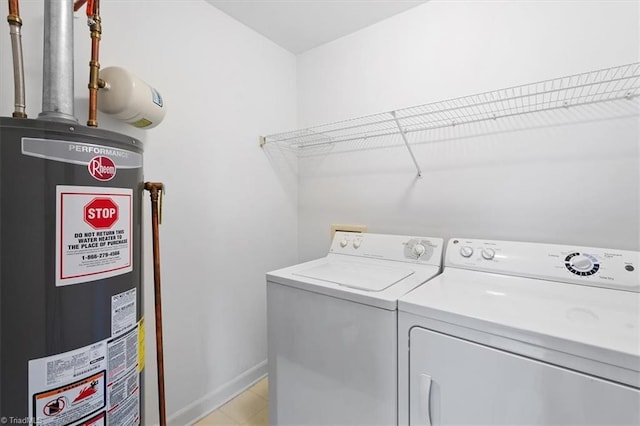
(102,168)
(101,213)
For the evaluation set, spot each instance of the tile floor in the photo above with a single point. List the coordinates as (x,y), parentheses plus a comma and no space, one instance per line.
(250,408)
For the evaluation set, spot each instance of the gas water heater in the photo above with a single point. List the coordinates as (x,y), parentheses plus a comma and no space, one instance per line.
(71,296)
(71,309)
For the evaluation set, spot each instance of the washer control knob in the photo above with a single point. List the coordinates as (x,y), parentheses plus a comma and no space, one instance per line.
(488,253)
(581,263)
(466,251)
(343,243)
(357,243)
(419,250)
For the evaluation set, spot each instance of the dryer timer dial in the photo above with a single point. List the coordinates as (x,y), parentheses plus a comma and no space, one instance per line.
(581,264)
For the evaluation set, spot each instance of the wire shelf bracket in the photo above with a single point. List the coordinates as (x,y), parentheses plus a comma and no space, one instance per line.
(608,84)
(406,142)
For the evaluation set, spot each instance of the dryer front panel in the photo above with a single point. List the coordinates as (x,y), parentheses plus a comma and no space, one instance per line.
(453,381)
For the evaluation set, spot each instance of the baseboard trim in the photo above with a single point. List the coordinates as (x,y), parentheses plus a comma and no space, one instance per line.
(213,400)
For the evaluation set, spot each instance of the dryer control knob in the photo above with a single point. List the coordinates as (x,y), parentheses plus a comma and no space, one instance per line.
(581,263)
(466,251)
(343,243)
(419,250)
(488,253)
(357,243)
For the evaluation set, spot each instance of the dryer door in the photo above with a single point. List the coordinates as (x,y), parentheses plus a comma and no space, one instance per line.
(454,382)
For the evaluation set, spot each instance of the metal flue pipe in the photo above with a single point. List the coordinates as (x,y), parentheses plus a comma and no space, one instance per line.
(15,25)
(57,81)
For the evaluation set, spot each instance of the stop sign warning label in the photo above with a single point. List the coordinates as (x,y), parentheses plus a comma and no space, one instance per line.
(93,233)
(101,213)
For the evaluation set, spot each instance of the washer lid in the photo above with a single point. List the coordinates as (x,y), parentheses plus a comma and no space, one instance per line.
(373,282)
(595,323)
(365,277)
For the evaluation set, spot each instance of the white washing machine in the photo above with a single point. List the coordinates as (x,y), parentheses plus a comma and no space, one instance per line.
(332,329)
(517,333)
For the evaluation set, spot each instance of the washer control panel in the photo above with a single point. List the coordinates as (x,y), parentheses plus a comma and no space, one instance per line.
(403,248)
(610,268)
(420,248)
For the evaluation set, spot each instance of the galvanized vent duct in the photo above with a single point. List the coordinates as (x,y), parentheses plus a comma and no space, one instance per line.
(57,78)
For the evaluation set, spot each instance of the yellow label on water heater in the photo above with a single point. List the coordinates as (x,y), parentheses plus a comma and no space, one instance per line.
(141,345)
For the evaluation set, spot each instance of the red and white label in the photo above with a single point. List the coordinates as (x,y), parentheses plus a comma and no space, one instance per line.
(101,213)
(70,388)
(93,233)
(72,402)
(102,168)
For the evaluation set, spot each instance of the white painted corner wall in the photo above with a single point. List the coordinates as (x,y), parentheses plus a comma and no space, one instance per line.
(229,216)
(567,177)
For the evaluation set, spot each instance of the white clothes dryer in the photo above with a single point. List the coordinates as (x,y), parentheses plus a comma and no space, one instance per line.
(332,329)
(520,333)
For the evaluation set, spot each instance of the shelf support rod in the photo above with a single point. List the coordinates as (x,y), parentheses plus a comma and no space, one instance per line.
(406,142)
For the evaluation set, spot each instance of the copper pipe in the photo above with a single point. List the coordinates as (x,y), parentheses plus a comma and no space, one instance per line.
(78,4)
(14,8)
(156,188)
(94,21)
(15,25)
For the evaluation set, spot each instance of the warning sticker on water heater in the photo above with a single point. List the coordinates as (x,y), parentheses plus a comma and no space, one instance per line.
(123,311)
(93,233)
(70,386)
(67,404)
(123,382)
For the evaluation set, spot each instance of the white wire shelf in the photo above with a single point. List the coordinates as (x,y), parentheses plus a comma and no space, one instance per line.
(621,82)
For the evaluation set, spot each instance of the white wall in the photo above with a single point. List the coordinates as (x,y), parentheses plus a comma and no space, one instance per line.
(563,177)
(229,215)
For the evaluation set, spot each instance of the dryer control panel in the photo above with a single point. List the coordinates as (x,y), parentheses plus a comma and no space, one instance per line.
(610,268)
(402,248)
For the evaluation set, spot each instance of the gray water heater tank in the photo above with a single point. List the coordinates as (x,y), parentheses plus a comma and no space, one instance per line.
(71,307)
